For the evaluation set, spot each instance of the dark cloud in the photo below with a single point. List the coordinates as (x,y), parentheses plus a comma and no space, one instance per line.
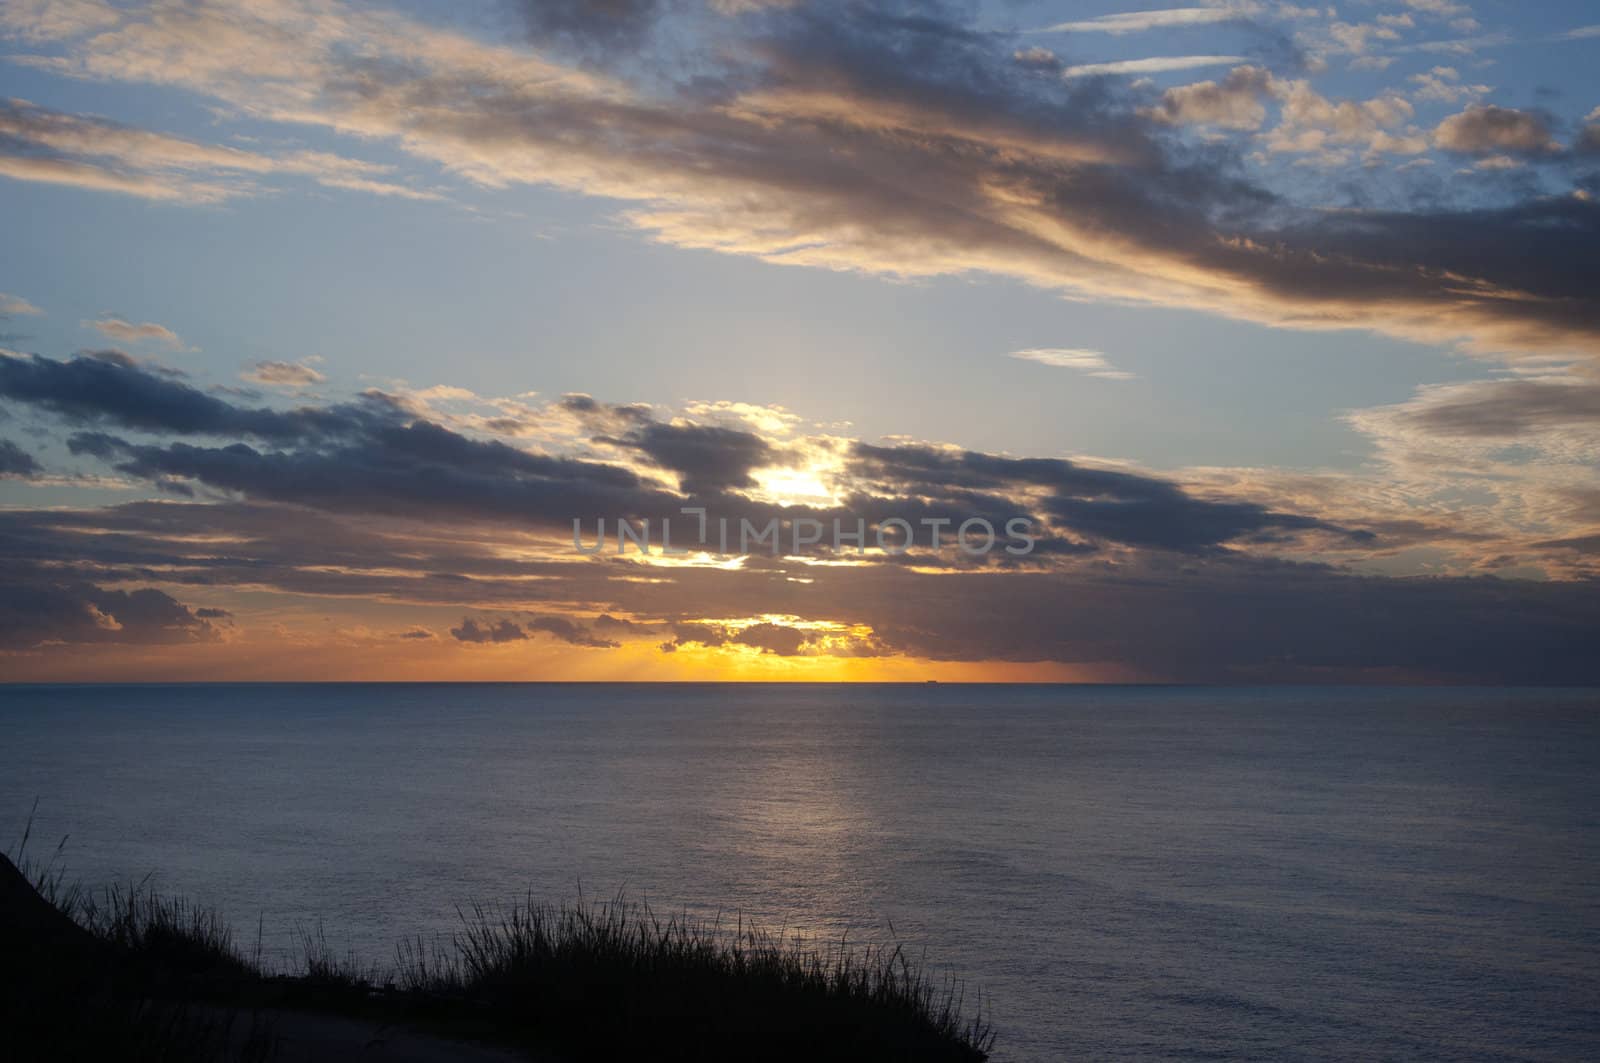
(605,417)
(37,611)
(1215,621)
(567,631)
(607,622)
(119,357)
(1583,544)
(703,634)
(371,458)
(1100,504)
(708,459)
(779,639)
(1560,235)
(590,26)
(371,455)
(418,633)
(1233,622)
(213,614)
(1177,522)
(14,461)
(396,473)
(110,387)
(498,631)
(506,630)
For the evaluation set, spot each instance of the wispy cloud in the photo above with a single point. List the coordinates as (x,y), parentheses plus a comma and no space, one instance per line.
(15,304)
(292,375)
(1084,360)
(1458,45)
(116,328)
(1155,65)
(1139,21)
(86,151)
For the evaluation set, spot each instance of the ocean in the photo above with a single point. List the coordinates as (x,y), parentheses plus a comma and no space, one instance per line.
(1145,873)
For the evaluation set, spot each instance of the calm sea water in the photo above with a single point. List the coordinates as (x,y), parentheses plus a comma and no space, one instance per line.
(1125,873)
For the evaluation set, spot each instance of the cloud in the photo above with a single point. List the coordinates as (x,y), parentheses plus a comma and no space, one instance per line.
(11,305)
(1588,141)
(16,462)
(73,174)
(569,632)
(374,457)
(506,630)
(115,328)
(36,611)
(602,26)
(708,459)
(1355,37)
(1312,123)
(1121,507)
(803,153)
(292,375)
(772,638)
(1523,448)
(1497,162)
(779,640)
(1090,363)
(499,631)
(93,389)
(1232,625)
(850,138)
(1140,21)
(1202,581)
(745,7)
(1209,618)
(1152,65)
(417,633)
(1485,129)
(1439,8)
(1443,84)
(1461,46)
(1503,409)
(1234,103)
(86,151)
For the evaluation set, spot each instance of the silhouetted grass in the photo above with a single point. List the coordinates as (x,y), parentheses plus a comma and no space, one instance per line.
(167,938)
(130,974)
(617,981)
(125,978)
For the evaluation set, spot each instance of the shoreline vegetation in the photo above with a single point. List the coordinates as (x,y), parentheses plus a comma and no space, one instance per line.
(129,974)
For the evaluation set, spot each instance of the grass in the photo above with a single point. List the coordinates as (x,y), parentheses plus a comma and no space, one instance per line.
(152,977)
(128,977)
(617,980)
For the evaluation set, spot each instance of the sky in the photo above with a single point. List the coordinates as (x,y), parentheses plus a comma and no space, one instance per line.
(321,324)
